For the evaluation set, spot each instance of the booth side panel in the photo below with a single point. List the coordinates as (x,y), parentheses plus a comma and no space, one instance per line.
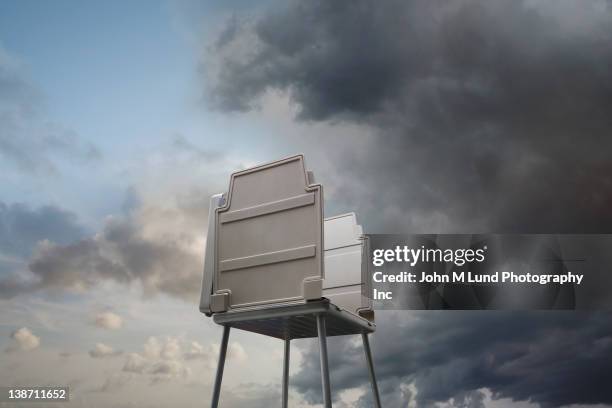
(344,256)
(216,201)
(269,235)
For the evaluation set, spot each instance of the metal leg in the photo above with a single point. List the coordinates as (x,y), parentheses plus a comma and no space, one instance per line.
(220,366)
(324,365)
(368,353)
(286,373)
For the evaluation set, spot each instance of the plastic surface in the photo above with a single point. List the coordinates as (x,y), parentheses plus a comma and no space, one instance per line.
(345,264)
(216,201)
(264,245)
(295,321)
(268,235)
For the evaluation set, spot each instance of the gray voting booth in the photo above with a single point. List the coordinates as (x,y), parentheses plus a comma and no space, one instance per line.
(274,266)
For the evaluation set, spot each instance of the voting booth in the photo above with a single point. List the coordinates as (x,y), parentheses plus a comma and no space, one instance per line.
(346,282)
(274,266)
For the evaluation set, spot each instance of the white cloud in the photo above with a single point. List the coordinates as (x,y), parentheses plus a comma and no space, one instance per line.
(102,350)
(165,370)
(23,339)
(172,349)
(236,352)
(159,358)
(108,320)
(170,357)
(210,353)
(114,382)
(152,348)
(197,351)
(135,363)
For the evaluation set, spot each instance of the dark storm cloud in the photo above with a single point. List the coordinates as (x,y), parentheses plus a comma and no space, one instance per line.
(123,251)
(28,140)
(550,358)
(22,227)
(119,253)
(491,116)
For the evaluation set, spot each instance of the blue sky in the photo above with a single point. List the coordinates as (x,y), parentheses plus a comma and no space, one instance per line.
(101,78)
(91,63)
(120,75)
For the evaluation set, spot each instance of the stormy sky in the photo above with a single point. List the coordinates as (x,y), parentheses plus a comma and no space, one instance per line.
(493,116)
(118,121)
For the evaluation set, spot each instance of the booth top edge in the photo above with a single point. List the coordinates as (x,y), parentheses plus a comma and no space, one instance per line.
(267,165)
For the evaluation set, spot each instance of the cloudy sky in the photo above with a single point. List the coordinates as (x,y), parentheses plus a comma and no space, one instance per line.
(119,119)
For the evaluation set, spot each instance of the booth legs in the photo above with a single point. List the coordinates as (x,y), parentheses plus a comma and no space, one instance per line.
(220,366)
(286,373)
(322,334)
(368,353)
(324,363)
